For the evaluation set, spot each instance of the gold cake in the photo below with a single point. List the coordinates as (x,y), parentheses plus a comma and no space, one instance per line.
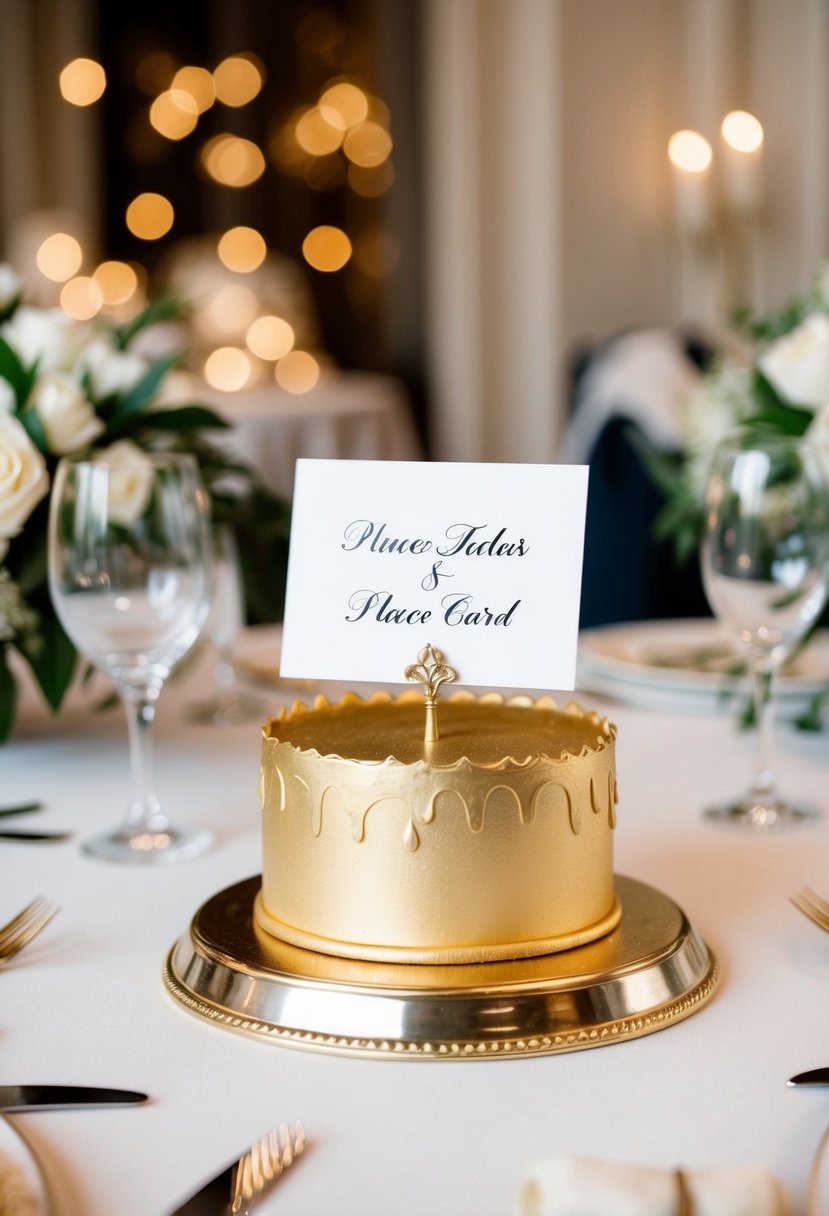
(495,842)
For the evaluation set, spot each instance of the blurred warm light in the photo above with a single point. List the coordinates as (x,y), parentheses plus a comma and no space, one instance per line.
(742,131)
(232,161)
(82,82)
(227,368)
(324,172)
(198,84)
(154,71)
(297,372)
(378,111)
(690,151)
(116,281)
(174,114)
(326,248)
(59,257)
(230,310)
(320,130)
(81,298)
(270,337)
(348,100)
(376,253)
(237,80)
(371,183)
(368,144)
(242,249)
(150,216)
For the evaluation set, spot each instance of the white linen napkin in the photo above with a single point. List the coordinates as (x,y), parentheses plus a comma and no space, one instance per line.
(582,1186)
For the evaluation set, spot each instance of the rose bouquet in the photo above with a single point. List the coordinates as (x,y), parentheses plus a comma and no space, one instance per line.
(780,384)
(73,389)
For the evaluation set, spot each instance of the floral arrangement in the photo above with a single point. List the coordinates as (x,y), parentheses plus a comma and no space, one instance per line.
(68,388)
(778,382)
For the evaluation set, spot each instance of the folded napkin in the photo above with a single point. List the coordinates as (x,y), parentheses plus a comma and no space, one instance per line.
(580,1186)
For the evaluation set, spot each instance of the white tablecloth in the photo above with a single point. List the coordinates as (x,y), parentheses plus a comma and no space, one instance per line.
(347,416)
(86,1004)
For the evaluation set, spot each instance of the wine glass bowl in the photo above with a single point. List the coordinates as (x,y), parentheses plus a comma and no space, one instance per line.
(765,568)
(129,575)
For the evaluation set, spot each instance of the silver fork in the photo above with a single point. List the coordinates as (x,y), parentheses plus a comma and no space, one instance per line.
(264,1163)
(25,926)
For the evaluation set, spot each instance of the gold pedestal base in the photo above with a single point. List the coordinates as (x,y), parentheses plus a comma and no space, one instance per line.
(648,973)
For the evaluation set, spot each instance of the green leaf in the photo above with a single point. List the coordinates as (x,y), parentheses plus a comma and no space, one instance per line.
(9,309)
(19,377)
(182,418)
(775,412)
(8,697)
(54,662)
(34,429)
(140,395)
(169,309)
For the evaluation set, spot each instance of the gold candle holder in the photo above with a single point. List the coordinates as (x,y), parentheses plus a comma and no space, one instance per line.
(431,671)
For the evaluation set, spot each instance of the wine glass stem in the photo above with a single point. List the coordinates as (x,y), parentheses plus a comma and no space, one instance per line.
(763,784)
(144,810)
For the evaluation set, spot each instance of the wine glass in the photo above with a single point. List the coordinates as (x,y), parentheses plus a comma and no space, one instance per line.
(228,705)
(765,566)
(129,575)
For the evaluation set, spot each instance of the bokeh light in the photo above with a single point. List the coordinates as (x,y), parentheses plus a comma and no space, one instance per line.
(174,114)
(237,80)
(82,82)
(233,161)
(690,151)
(270,337)
(150,216)
(81,298)
(368,144)
(242,249)
(229,311)
(348,100)
(371,183)
(116,281)
(297,372)
(59,257)
(198,84)
(320,130)
(326,248)
(227,369)
(742,131)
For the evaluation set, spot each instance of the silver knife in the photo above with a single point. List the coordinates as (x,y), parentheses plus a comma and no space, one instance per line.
(13,835)
(815,1076)
(214,1198)
(57,1097)
(240,1185)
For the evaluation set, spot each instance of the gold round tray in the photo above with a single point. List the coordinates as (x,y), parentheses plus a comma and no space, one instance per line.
(648,973)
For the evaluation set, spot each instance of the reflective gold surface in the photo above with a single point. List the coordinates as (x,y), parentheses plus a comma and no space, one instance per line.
(649,972)
(494,842)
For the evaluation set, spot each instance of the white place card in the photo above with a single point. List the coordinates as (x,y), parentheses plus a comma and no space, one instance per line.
(482,561)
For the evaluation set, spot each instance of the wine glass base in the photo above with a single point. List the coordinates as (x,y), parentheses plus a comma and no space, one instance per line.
(145,847)
(759,815)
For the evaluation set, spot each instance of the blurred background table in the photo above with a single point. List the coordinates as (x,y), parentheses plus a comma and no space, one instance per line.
(85,1003)
(346,416)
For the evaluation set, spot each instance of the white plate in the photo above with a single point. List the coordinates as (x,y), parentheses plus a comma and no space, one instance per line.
(16,1155)
(684,664)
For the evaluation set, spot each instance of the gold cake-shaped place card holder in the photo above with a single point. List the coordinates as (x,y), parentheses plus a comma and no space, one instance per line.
(431,671)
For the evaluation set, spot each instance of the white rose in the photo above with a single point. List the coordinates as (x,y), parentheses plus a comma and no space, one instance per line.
(8,400)
(130,481)
(23,476)
(45,334)
(797,365)
(110,370)
(69,420)
(10,285)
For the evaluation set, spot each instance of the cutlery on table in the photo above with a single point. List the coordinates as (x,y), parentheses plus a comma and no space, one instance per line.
(813,1076)
(25,926)
(240,1186)
(17,1098)
(12,835)
(812,906)
(25,808)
